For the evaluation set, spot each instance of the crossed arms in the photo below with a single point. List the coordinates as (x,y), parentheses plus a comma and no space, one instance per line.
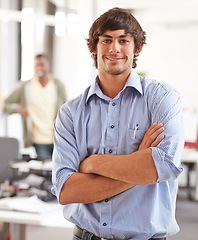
(104,176)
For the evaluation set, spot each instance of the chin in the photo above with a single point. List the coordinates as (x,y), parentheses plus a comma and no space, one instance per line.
(40,74)
(117,71)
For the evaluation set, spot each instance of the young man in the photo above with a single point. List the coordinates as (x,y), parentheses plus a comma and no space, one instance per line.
(112,168)
(37,101)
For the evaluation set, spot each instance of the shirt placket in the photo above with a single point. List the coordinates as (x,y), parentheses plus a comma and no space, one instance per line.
(112,128)
(110,148)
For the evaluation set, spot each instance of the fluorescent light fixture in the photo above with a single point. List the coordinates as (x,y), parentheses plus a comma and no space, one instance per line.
(60,16)
(28,11)
(60,26)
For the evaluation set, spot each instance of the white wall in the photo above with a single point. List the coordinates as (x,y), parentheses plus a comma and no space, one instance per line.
(72,63)
(171,53)
(8,49)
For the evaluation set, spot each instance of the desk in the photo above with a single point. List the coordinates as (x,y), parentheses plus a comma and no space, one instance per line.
(43,221)
(31,226)
(190,158)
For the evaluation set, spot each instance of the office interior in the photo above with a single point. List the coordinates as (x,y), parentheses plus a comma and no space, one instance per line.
(59,28)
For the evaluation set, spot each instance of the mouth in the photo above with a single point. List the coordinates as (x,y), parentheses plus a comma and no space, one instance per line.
(40,73)
(111,58)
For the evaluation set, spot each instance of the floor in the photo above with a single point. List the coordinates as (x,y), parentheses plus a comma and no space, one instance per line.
(187,217)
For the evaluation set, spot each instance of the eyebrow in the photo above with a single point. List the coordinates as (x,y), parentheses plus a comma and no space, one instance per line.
(121,36)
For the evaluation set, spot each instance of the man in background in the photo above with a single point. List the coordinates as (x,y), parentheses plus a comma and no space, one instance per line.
(37,101)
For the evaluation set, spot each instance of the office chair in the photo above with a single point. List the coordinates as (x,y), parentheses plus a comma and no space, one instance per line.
(9,151)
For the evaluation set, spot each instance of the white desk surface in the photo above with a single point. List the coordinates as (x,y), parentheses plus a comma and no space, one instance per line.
(52,219)
(189,155)
(50,225)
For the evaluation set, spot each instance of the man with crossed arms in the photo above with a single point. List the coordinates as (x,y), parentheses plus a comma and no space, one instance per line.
(113,169)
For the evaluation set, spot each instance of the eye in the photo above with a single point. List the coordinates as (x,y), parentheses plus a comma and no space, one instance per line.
(124,41)
(106,41)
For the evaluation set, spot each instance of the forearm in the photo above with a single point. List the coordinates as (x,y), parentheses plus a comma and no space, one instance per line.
(10,108)
(137,168)
(13,101)
(88,188)
(104,176)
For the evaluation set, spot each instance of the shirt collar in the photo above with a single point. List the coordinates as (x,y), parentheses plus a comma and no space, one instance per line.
(133,81)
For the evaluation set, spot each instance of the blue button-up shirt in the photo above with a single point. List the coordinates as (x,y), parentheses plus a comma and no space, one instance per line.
(96,124)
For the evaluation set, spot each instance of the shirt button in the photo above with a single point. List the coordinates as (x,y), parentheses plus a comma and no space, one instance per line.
(112,126)
(110,151)
(104,224)
(113,104)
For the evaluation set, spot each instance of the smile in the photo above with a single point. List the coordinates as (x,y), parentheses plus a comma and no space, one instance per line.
(114,58)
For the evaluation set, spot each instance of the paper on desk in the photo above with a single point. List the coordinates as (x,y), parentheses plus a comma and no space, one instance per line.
(28,204)
(31,180)
(47,166)
(33,164)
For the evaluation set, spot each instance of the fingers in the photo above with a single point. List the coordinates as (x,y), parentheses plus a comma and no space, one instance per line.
(152,136)
(157,141)
(153,128)
(153,132)
(23,112)
(157,130)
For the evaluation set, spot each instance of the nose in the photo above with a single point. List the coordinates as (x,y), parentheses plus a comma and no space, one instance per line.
(114,47)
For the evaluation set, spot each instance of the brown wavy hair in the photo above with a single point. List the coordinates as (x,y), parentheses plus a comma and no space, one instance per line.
(115,19)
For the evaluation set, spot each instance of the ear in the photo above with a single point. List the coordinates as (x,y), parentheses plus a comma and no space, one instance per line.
(137,52)
(94,52)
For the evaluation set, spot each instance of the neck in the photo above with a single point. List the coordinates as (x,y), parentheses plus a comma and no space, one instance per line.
(43,80)
(111,85)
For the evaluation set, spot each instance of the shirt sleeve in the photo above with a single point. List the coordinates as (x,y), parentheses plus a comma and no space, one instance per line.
(65,160)
(13,102)
(167,109)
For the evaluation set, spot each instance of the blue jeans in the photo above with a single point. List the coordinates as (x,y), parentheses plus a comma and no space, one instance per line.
(75,238)
(44,151)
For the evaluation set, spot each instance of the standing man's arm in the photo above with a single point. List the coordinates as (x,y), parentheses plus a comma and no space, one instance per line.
(13,102)
(87,188)
(137,168)
(152,164)
(61,93)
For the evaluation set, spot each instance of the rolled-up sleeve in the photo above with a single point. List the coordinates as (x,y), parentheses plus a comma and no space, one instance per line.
(65,160)
(166,168)
(167,155)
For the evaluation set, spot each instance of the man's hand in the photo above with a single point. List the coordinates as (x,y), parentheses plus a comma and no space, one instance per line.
(24,113)
(151,137)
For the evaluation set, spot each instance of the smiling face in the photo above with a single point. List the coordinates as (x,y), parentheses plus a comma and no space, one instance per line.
(41,67)
(115,52)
